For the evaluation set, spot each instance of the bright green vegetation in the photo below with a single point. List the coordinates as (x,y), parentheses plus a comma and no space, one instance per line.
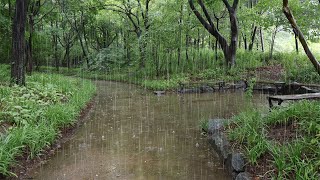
(158,45)
(37,112)
(295,68)
(293,154)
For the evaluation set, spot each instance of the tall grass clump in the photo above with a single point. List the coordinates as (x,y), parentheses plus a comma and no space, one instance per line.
(295,156)
(36,113)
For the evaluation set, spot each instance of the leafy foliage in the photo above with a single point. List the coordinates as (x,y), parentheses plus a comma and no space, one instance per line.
(37,112)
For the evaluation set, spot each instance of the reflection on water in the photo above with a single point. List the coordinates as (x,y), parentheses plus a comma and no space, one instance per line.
(132,134)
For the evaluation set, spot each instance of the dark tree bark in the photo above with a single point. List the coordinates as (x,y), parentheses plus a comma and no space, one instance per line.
(216,44)
(229,50)
(245,41)
(296,42)
(55,45)
(187,46)
(253,36)
(262,40)
(18,43)
(34,11)
(292,21)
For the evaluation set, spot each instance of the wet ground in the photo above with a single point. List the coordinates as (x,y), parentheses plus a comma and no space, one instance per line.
(133,134)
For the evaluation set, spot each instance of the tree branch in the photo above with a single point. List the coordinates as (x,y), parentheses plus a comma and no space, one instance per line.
(204,9)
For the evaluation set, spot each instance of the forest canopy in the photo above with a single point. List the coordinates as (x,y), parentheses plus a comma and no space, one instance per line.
(155,38)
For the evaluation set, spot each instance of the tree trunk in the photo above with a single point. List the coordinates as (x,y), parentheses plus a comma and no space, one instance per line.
(253,36)
(216,46)
(234,37)
(262,40)
(18,43)
(274,34)
(55,46)
(180,34)
(187,46)
(84,33)
(228,50)
(67,55)
(240,42)
(296,42)
(245,41)
(29,47)
(291,19)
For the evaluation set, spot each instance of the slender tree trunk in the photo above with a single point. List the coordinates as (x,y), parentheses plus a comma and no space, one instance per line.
(296,42)
(84,32)
(240,42)
(29,47)
(55,46)
(291,19)
(216,46)
(198,40)
(187,46)
(274,34)
(253,36)
(67,55)
(18,43)
(203,41)
(262,40)
(180,34)
(245,41)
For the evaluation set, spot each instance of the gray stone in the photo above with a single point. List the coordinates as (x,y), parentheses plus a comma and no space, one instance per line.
(243,176)
(214,125)
(237,162)
(221,145)
(232,86)
(206,89)
(159,93)
(191,90)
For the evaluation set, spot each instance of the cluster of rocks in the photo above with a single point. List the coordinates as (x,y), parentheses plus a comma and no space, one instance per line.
(207,88)
(234,162)
(283,88)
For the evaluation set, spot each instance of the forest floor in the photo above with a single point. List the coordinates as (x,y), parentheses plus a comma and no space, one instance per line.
(270,73)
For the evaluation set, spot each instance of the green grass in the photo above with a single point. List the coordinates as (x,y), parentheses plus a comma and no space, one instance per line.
(37,112)
(203,67)
(298,158)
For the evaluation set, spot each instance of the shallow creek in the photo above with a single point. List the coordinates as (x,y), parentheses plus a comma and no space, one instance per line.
(132,134)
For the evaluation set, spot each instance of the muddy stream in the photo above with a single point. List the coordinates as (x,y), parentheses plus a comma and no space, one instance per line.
(132,134)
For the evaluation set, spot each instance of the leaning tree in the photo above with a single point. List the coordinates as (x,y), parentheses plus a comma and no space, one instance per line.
(298,32)
(229,50)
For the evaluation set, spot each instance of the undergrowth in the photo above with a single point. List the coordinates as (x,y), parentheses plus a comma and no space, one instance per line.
(167,75)
(297,158)
(37,112)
